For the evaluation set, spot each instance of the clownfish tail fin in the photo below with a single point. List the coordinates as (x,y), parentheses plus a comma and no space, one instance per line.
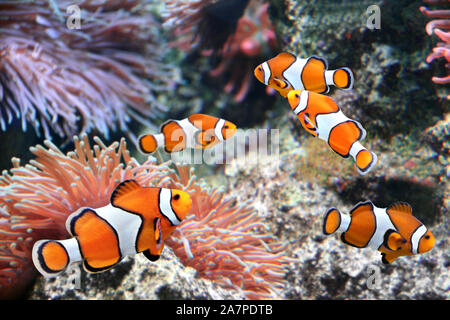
(148,143)
(364,159)
(331,221)
(341,78)
(52,257)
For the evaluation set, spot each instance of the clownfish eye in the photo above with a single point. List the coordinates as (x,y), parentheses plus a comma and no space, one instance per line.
(176,197)
(259,68)
(427,237)
(296,95)
(226,127)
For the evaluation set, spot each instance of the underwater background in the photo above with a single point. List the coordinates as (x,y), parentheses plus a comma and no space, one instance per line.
(75,97)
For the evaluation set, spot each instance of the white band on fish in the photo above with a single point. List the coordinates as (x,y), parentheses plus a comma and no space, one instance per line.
(329,77)
(159,139)
(294,72)
(382,223)
(218,129)
(72,248)
(345,223)
(126,226)
(165,206)
(303,102)
(415,238)
(267,73)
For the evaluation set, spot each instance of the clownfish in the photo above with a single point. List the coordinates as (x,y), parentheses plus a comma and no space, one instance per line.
(323,118)
(286,72)
(198,131)
(138,219)
(394,231)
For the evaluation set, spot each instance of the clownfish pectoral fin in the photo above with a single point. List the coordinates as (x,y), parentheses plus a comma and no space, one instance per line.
(309,124)
(393,240)
(157,232)
(281,84)
(205,139)
(387,258)
(150,256)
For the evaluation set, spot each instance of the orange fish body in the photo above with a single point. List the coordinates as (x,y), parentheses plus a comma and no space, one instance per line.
(394,231)
(286,72)
(198,131)
(137,220)
(323,118)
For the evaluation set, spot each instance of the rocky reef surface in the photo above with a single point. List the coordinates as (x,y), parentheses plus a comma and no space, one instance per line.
(326,268)
(135,278)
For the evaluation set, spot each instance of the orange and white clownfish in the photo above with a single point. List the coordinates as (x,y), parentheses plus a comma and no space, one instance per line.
(394,231)
(323,118)
(138,219)
(286,72)
(198,131)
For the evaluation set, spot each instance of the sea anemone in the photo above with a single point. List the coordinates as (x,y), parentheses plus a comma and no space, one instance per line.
(65,80)
(437,27)
(253,39)
(224,241)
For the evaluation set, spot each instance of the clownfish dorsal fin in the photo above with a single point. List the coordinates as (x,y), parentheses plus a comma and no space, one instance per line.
(319,61)
(361,207)
(393,240)
(123,189)
(400,207)
(286,55)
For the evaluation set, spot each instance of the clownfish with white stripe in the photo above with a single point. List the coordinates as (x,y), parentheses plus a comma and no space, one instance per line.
(138,219)
(394,231)
(198,131)
(322,117)
(286,72)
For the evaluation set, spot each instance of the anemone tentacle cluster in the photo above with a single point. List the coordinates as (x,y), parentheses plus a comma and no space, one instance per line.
(440,27)
(224,241)
(65,79)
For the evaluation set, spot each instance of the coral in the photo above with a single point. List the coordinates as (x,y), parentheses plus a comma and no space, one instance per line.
(36,199)
(436,27)
(100,76)
(253,40)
